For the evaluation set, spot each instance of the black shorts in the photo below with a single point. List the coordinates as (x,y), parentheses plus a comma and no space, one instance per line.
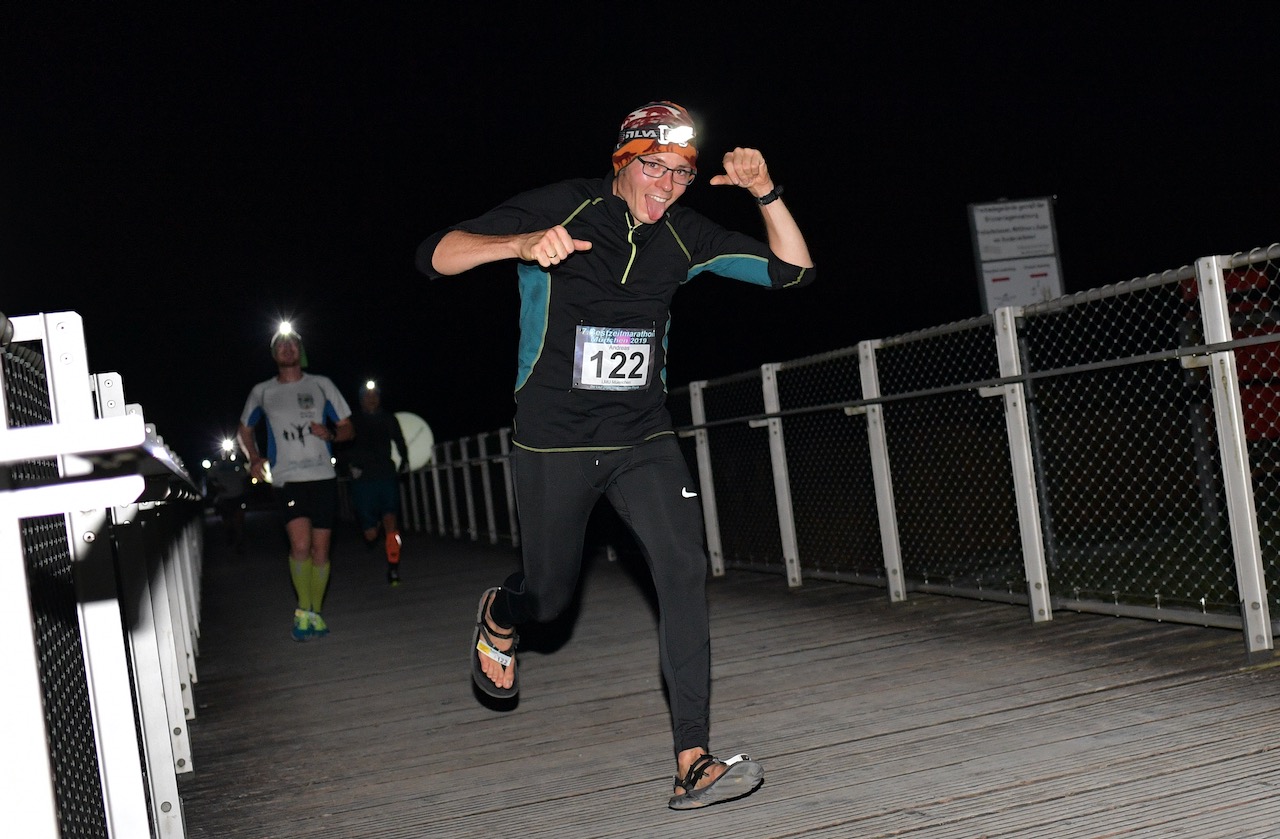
(374,498)
(315,500)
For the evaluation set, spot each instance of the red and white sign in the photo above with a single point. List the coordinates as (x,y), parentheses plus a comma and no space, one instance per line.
(1017,282)
(1015,245)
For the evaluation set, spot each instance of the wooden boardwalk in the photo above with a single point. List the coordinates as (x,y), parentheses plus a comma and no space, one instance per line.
(940,717)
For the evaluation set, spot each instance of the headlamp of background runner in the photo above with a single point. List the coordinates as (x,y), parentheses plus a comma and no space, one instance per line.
(373,386)
(285,330)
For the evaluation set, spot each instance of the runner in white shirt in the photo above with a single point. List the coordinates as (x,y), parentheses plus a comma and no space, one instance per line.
(305,414)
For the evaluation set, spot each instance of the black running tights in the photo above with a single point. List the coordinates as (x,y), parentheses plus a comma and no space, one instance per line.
(651,489)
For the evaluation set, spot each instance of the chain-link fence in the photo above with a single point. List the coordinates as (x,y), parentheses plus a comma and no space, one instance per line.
(1112,451)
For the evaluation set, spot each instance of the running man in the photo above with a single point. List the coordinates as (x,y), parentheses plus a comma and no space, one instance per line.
(598,262)
(305,415)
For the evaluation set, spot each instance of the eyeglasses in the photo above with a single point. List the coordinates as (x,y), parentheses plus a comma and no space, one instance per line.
(683,176)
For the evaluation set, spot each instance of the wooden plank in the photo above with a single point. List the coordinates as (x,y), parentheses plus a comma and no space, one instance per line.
(938,717)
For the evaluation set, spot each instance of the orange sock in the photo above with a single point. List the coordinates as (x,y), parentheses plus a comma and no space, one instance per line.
(393,547)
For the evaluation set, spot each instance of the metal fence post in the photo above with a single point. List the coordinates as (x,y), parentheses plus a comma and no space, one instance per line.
(486,487)
(880,472)
(706,480)
(468,492)
(410,503)
(93,565)
(781,478)
(440,464)
(1022,465)
(1254,611)
(450,467)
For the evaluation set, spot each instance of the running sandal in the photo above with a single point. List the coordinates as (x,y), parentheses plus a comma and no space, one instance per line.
(482,643)
(742,777)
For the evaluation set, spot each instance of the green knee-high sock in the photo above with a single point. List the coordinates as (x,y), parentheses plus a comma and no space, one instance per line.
(319,582)
(300,571)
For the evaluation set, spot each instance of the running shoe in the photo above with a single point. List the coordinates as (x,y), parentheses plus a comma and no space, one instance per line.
(393,574)
(302,625)
(319,628)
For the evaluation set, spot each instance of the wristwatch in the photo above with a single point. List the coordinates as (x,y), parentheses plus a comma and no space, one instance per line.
(770,196)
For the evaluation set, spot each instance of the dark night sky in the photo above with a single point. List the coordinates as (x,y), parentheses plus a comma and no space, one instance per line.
(184,178)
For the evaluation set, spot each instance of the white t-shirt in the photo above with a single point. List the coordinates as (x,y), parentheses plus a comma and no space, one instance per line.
(289,408)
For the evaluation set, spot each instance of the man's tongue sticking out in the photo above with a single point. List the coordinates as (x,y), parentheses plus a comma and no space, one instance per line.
(654,206)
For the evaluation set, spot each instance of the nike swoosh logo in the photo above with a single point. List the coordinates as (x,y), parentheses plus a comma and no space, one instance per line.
(685,492)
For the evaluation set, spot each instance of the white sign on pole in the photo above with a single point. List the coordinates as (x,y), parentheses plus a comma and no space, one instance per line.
(1017,282)
(1015,244)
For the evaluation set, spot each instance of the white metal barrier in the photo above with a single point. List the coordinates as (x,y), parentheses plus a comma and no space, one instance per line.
(100,549)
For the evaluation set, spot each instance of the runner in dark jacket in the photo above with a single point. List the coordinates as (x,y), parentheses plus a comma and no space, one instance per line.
(599,262)
(375,484)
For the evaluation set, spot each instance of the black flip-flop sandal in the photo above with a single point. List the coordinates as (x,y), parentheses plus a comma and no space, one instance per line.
(482,643)
(742,777)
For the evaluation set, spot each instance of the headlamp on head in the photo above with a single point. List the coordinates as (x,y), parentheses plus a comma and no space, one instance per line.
(678,135)
(285,332)
(655,128)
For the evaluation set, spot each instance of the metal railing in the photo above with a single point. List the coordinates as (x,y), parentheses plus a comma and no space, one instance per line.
(1113,451)
(100,554)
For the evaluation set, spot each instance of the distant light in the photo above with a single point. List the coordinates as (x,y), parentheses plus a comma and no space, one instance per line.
(228,445)
(205,463)
(371,385)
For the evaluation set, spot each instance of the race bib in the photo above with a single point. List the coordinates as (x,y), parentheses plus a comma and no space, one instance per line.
(605,358)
